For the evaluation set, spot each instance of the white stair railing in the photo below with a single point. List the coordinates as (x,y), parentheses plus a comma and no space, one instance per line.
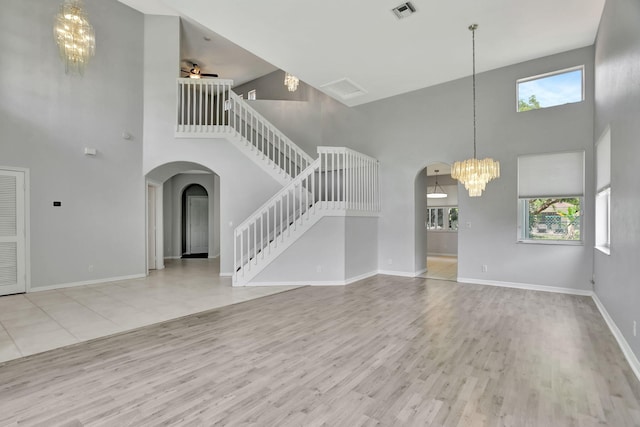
(208,107)
(339,182)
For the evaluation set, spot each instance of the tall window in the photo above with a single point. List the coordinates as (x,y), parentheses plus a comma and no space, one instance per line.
(603,192)
(442,218)
(551,89)
(550,197)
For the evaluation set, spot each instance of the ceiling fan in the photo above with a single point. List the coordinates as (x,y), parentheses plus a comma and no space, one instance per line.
(194,72)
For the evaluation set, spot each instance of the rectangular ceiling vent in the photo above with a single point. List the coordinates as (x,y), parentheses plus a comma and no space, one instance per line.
(344,88)
(404,10)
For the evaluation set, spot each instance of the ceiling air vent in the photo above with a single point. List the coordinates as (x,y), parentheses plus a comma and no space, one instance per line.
(344,88)
(404,10)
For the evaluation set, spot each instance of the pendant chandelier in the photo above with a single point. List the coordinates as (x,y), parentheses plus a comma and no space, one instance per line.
(291,82)
(475,173)
(437,192)
(74,35)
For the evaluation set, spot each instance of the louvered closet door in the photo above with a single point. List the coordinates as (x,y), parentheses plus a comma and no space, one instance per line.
(12,236)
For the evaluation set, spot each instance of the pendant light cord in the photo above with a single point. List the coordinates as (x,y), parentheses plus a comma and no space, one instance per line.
(473,28)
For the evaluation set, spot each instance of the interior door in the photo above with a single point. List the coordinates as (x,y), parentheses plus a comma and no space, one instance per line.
(198,224)
(12,233)
(151,227)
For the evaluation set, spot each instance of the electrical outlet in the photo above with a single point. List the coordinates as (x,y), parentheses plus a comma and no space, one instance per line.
(90,268)
(468,224)
(634,329)
(319,269)
(484,268)
(389,261)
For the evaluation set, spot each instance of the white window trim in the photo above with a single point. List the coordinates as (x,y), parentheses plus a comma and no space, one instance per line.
(605,248)
(549,74)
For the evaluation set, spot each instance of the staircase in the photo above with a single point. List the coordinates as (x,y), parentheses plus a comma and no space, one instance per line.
(208,108)
(339,182)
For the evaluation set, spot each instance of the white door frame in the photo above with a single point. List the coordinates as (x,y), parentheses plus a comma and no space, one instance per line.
(27,223)
(159,224)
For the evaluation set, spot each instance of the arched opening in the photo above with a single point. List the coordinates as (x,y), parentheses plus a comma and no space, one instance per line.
(195,222)
(436,222)
(187,214)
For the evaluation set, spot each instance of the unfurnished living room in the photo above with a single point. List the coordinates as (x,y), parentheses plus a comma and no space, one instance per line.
(331,214)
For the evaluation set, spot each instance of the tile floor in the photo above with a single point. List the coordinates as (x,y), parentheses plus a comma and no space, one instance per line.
(39,321)
(442,267)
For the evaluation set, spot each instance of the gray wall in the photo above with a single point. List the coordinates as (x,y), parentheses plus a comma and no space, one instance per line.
(47,118)
(361,249)
(333,250)
(272,87)
(317,256)
(420,220)
(300,121)
(172,210)
(617,88)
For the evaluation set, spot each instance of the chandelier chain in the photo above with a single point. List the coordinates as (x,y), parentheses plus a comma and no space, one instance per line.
(473,49)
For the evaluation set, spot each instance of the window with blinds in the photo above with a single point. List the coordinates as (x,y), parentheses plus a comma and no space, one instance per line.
(550,197)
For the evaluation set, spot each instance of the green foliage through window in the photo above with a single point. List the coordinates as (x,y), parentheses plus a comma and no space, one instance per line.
(552,218)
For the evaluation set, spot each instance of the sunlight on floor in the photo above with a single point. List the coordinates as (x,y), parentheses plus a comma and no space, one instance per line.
(442,267)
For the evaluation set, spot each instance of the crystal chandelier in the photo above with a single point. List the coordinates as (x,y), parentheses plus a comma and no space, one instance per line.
(74,35)
(475,173)
(291,82)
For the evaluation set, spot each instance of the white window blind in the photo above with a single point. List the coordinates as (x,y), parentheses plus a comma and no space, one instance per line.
(603,161)
(551,175)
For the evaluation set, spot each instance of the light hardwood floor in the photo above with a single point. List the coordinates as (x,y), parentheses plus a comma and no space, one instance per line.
(383,351)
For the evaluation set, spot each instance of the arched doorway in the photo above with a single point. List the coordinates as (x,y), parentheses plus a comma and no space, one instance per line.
(173,185)
(436,224)
(195,222)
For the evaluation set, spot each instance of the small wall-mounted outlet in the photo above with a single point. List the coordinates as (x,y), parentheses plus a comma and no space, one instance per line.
(468,224)
(318,269)
(90,268)
(635,331)
(389,261)
(484,268)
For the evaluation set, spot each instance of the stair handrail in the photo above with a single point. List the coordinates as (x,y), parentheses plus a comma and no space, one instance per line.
(295,181)
(339,180)
(293,149)
(209,106)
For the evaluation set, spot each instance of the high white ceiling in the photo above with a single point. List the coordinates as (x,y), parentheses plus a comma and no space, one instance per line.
(361,40)
(215,54)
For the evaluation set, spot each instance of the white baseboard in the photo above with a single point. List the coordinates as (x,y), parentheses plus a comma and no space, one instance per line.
(419,272)
(397,273)
(214,256)
(622,342)
(528,286)
(441,254)
(316,282)
(226,274)
(173,257)
(86,282)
